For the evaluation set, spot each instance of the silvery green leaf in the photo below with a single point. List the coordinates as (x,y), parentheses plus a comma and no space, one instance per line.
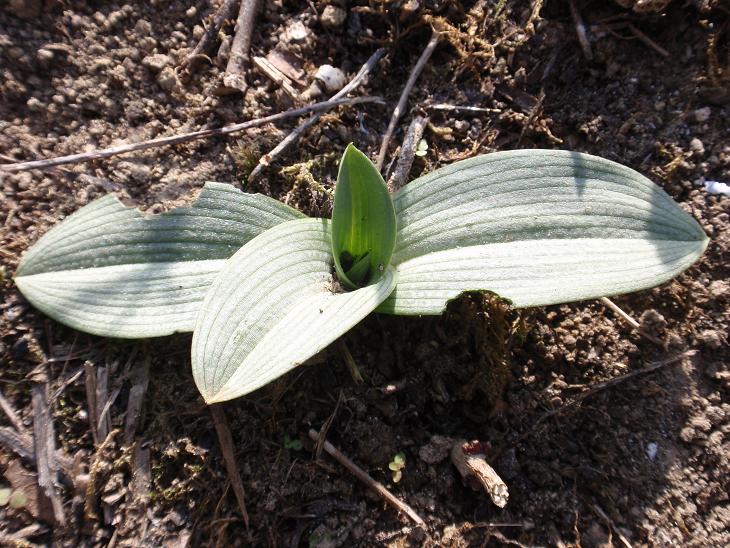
(536,227)
(110,270)
(273,306)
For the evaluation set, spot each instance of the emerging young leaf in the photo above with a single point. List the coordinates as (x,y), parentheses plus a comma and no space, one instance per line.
(363,221)
(109,270)
(537,227)
(272,307)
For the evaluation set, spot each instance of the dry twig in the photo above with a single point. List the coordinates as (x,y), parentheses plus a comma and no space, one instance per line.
(182,138)
(225,11)
(648,41)
(134,403)
(593,390)
(407,153)
(290,139)
(462,108)
(598,510)
(276,76)
(580,30)
(473,467)
(226,441)
(44,445)
(631,321)
(364,477)
(234,77)
(398,112)
(11,414)
(22,445)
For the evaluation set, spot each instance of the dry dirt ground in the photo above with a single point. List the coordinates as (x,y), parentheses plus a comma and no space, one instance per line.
(644,461)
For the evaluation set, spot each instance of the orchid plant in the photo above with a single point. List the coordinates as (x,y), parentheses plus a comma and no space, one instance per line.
(264,288)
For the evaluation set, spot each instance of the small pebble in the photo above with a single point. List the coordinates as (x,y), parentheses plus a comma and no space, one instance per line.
(651,451)
(143,28)
(697,147)
(703,114)
(332,78)
(333,17)
(192,12)
(167,79)
(45,54)
(157,62)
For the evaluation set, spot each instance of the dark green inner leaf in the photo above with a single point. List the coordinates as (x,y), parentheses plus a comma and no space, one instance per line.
(363,222)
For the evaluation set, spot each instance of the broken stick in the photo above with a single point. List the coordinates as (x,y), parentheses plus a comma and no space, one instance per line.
(290,139)
(234,77)
(407,153)
(474,468)
(45,449)
(364,477)
(398,112)
(225,11)
(631,321)
(184,137)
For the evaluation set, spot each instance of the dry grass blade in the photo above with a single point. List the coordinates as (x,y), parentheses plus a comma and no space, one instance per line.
(226,441)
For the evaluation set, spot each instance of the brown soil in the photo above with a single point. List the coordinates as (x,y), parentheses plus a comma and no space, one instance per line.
(646,458)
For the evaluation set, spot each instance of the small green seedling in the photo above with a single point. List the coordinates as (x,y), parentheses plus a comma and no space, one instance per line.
(295,444)
(397,465)
(264,288)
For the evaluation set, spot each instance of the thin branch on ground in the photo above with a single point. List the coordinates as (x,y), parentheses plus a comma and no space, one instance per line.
(444,107)
(398,112)
(135,401)
(22,445)
(580,30)
(631,321)
(610,383)
(350,362)
(294,136)
(407,153)
(184,137)
(44,445)
(598,510)
(648,41)
(11,414)
(364,477)
(235,69)
(225,11)
(226,442)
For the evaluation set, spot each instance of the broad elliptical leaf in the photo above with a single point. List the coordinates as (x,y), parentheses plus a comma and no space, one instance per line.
(273,306)
(112,271)
(536,227)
